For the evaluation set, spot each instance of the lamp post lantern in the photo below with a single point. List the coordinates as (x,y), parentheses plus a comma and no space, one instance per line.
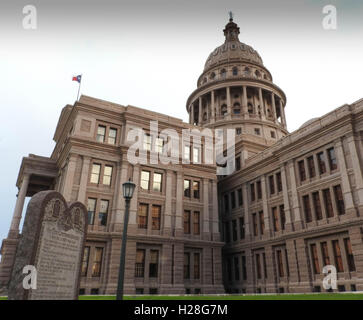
(128,190)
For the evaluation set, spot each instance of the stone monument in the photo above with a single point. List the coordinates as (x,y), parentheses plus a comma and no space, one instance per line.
(52,241)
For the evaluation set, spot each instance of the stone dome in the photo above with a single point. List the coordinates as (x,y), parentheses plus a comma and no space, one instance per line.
(232,50)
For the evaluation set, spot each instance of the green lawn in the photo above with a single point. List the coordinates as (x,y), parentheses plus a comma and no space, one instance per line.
(318,296)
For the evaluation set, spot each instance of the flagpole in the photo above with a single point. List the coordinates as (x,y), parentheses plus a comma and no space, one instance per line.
(79,87)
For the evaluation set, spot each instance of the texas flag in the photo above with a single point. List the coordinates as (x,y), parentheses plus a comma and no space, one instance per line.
(77,78)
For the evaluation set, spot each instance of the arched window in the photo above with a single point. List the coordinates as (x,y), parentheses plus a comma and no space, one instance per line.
(246,71)
(212,76)
(258,74)
(234,71)
(223,73)
(250,108)
(205,80)
(223,110)
(236,108)
(205,116)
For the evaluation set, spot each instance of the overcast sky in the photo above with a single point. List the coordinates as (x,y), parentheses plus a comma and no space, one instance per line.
(150,53)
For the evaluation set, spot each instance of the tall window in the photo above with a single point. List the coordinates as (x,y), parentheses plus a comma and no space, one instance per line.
(142,216)
(238,163)
(145,180)
(328,203)
(187,153)
(186,221)
(255,226)
(155,215)
(147,142)
(196,222)
(196,189)
(226,202)
(97,261)
(95,173)
(314,256)
(339,199)
(275,217)
(186,265)
(140,263)
(311,167)
(157,182)
(159,145)
(91,208)
(258,266)
(317,206)
(244,268)
(107,174)
(242,228)
(112,134)
(196,265)
(234,71)
(279,181)
(234,230)
(272,184)
(282,216)
(154,263)
(264,265)
(262,222)
(233,200)
(240,198)
(252,188)
(101,132)
(350,257)
(187,188)
(332,159)
(280,264)
(321,162)
(236,268)
(302,173)
(102,215)
(338,256)
(325,253)
(287,264)
(307,208)
(85,260)
(196,155)
(259,190)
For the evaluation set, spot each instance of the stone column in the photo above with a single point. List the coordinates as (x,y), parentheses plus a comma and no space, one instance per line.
(273,111)
(168,208)
(191,114)
(268,230)
(68,183)
(15,222)
(285,193)
(84,180)
(212,106)
(215,221)
(179,205)
(229,107)
(200,112)
(357,170)
(298,221)
(262,107)
(283,118)
(244,102)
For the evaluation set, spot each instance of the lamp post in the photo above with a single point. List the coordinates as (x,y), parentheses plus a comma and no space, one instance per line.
(128,190)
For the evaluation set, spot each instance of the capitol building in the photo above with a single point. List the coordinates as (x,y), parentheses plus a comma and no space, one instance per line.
(293,204)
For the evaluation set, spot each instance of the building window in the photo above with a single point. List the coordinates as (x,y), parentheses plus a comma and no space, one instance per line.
(287,264)
(339,199)
(272,184)
(311,167)
(280,264)
(282,216)
(187,188)
(226,202)
(159,145)
(262,222)
(328,203)
(238,163)
(255,226)
(101,133)
(242,228)
(238,131)
(155,215)
(95,291)
(317,206)
(142,215)
(257,131)
(145,180)
(244,268)
(240,198)
(337,256)
(85,260)
(233,200)
(96,268)
(275,218)
(147,142)
(196,155)
(236,268)
(279,181)
(186,265)
(321,162)
(332,159)
(196,265)
(95,174)
(229,269)
(112,134)
(107,174)
(252,188)
(102,215)
(325,253)
(273,134)
(350,257)
(186,154)
(307,208)
(234,71)
(258,266)
(302,174)
(157,180)
(196,222)
(314,256)
(234,230)
(227,235)
(140,263)
(91,208)
(186,221)
(196,189)
(154,263)
(259,190)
